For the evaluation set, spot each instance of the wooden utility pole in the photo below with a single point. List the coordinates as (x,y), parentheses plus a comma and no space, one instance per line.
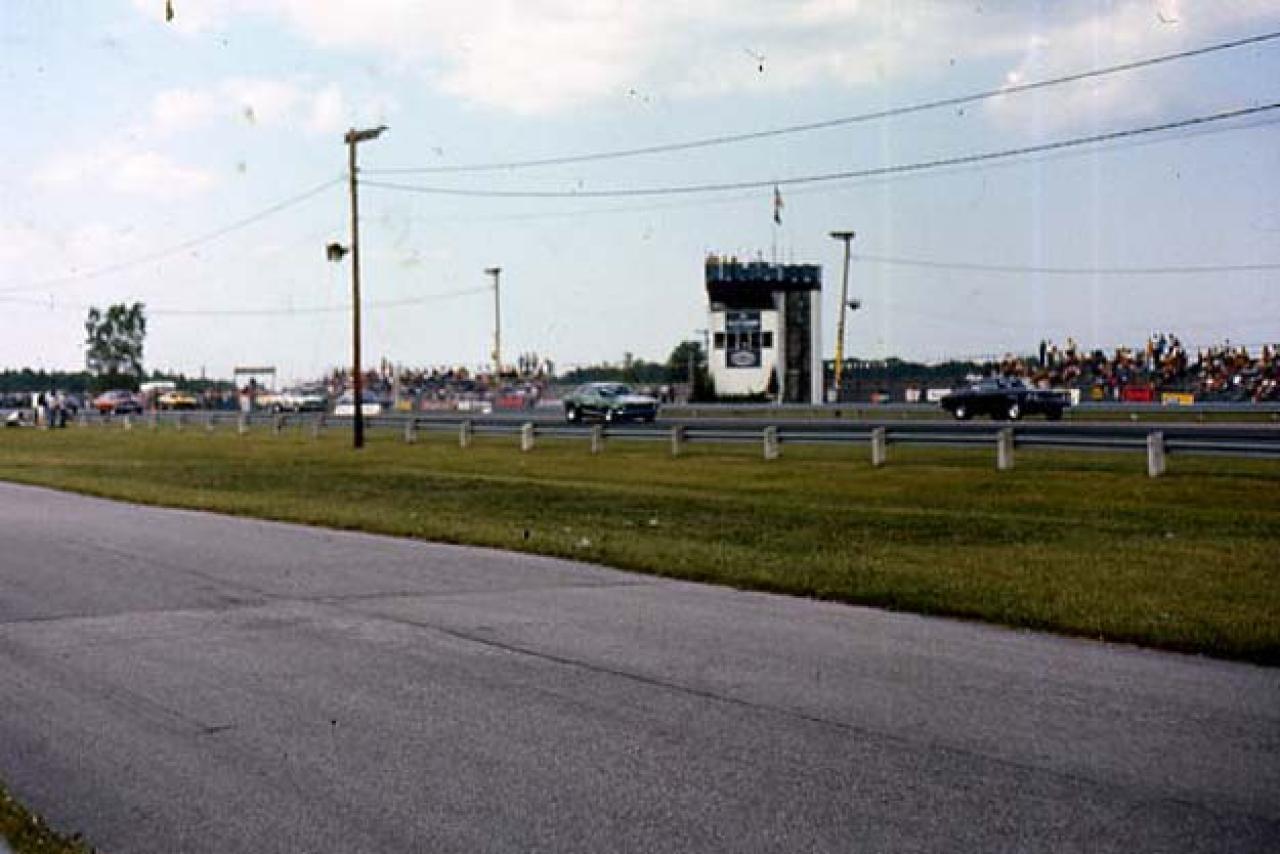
(351,138)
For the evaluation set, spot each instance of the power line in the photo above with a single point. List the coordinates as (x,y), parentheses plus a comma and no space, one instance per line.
(268,312)
(177,248)
(1064,271)
(961,160)
(752,197)
(318,309)
(893,112)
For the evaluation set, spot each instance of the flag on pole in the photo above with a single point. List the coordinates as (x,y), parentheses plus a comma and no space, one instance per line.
(777,205)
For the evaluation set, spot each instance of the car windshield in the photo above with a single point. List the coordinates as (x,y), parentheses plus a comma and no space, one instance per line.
(613,390)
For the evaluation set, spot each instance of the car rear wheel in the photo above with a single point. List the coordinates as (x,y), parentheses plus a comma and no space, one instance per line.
(1014,412)
(572,415)
(610,416)
(1054,414)
(962,413)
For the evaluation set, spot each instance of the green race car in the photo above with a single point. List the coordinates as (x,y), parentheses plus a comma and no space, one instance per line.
(608,402)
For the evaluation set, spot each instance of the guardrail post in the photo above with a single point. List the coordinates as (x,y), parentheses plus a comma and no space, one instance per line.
(526,437)
(179,422)
(411,431)
(128,422)
(466,431)
(208,424)
(677,440)
(879,447)
(597,438)
(1004,449)
(317,426)
(1155,454)
(154,420)
(277,424)
(771,447)
(82,419)
(242,424)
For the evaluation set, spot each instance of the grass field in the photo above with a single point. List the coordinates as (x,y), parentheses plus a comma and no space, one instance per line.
(27,833)
(1074,543)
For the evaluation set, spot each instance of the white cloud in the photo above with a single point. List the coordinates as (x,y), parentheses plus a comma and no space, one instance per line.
(1121,32)
(124,170)
(538,56)
(291,104)
(327,111)
(176,110)
(48,253)
(262,101)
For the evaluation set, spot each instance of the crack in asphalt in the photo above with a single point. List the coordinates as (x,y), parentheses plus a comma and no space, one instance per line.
(781,711)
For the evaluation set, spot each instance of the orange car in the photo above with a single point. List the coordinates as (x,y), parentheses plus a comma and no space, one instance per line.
(117,402)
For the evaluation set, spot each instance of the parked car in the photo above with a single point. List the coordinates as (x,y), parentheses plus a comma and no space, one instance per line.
(117,402)
(176,399)
(1004,398)
(300,400)
(609,402)
(369,405)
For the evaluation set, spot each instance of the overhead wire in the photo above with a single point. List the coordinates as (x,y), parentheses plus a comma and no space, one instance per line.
(876,115)
(978,267)
(848,175)
(270,312)
(752,196)
(176,248)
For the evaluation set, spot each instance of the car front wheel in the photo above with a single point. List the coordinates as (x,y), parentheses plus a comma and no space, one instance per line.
(1014,412)
(572,415)
(962,413)
(610,416)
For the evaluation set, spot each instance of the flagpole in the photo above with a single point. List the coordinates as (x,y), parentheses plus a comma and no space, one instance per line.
(777,220)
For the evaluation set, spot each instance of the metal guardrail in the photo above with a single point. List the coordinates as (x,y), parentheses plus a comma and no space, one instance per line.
(864,407)
(1258,440)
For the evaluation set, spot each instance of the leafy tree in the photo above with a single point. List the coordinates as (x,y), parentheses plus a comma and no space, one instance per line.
(686,355)
(633,370)
(113,344)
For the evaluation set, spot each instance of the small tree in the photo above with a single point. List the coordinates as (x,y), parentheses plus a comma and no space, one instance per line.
(687,363)
(113,344)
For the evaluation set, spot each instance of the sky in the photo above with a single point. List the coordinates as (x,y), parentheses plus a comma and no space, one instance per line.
(197,165)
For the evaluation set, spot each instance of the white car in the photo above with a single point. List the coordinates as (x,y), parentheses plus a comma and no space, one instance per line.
(345,407)
(300,400)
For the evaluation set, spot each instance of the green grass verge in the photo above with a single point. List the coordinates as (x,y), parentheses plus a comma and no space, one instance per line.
(1082,544)
(27,833)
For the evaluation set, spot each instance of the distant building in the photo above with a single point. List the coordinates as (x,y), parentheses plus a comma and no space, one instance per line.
(765,323)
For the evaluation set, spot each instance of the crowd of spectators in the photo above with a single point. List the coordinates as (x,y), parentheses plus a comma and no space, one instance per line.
(1162,364)
(444,386)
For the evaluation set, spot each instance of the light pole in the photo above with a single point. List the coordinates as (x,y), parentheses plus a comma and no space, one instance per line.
(352,138)
(496,272)
(845,236)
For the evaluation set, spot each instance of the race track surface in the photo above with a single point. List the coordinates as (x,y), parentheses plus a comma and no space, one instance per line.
(182,682)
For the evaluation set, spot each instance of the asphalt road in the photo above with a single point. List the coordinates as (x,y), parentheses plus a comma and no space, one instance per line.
(180,682)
